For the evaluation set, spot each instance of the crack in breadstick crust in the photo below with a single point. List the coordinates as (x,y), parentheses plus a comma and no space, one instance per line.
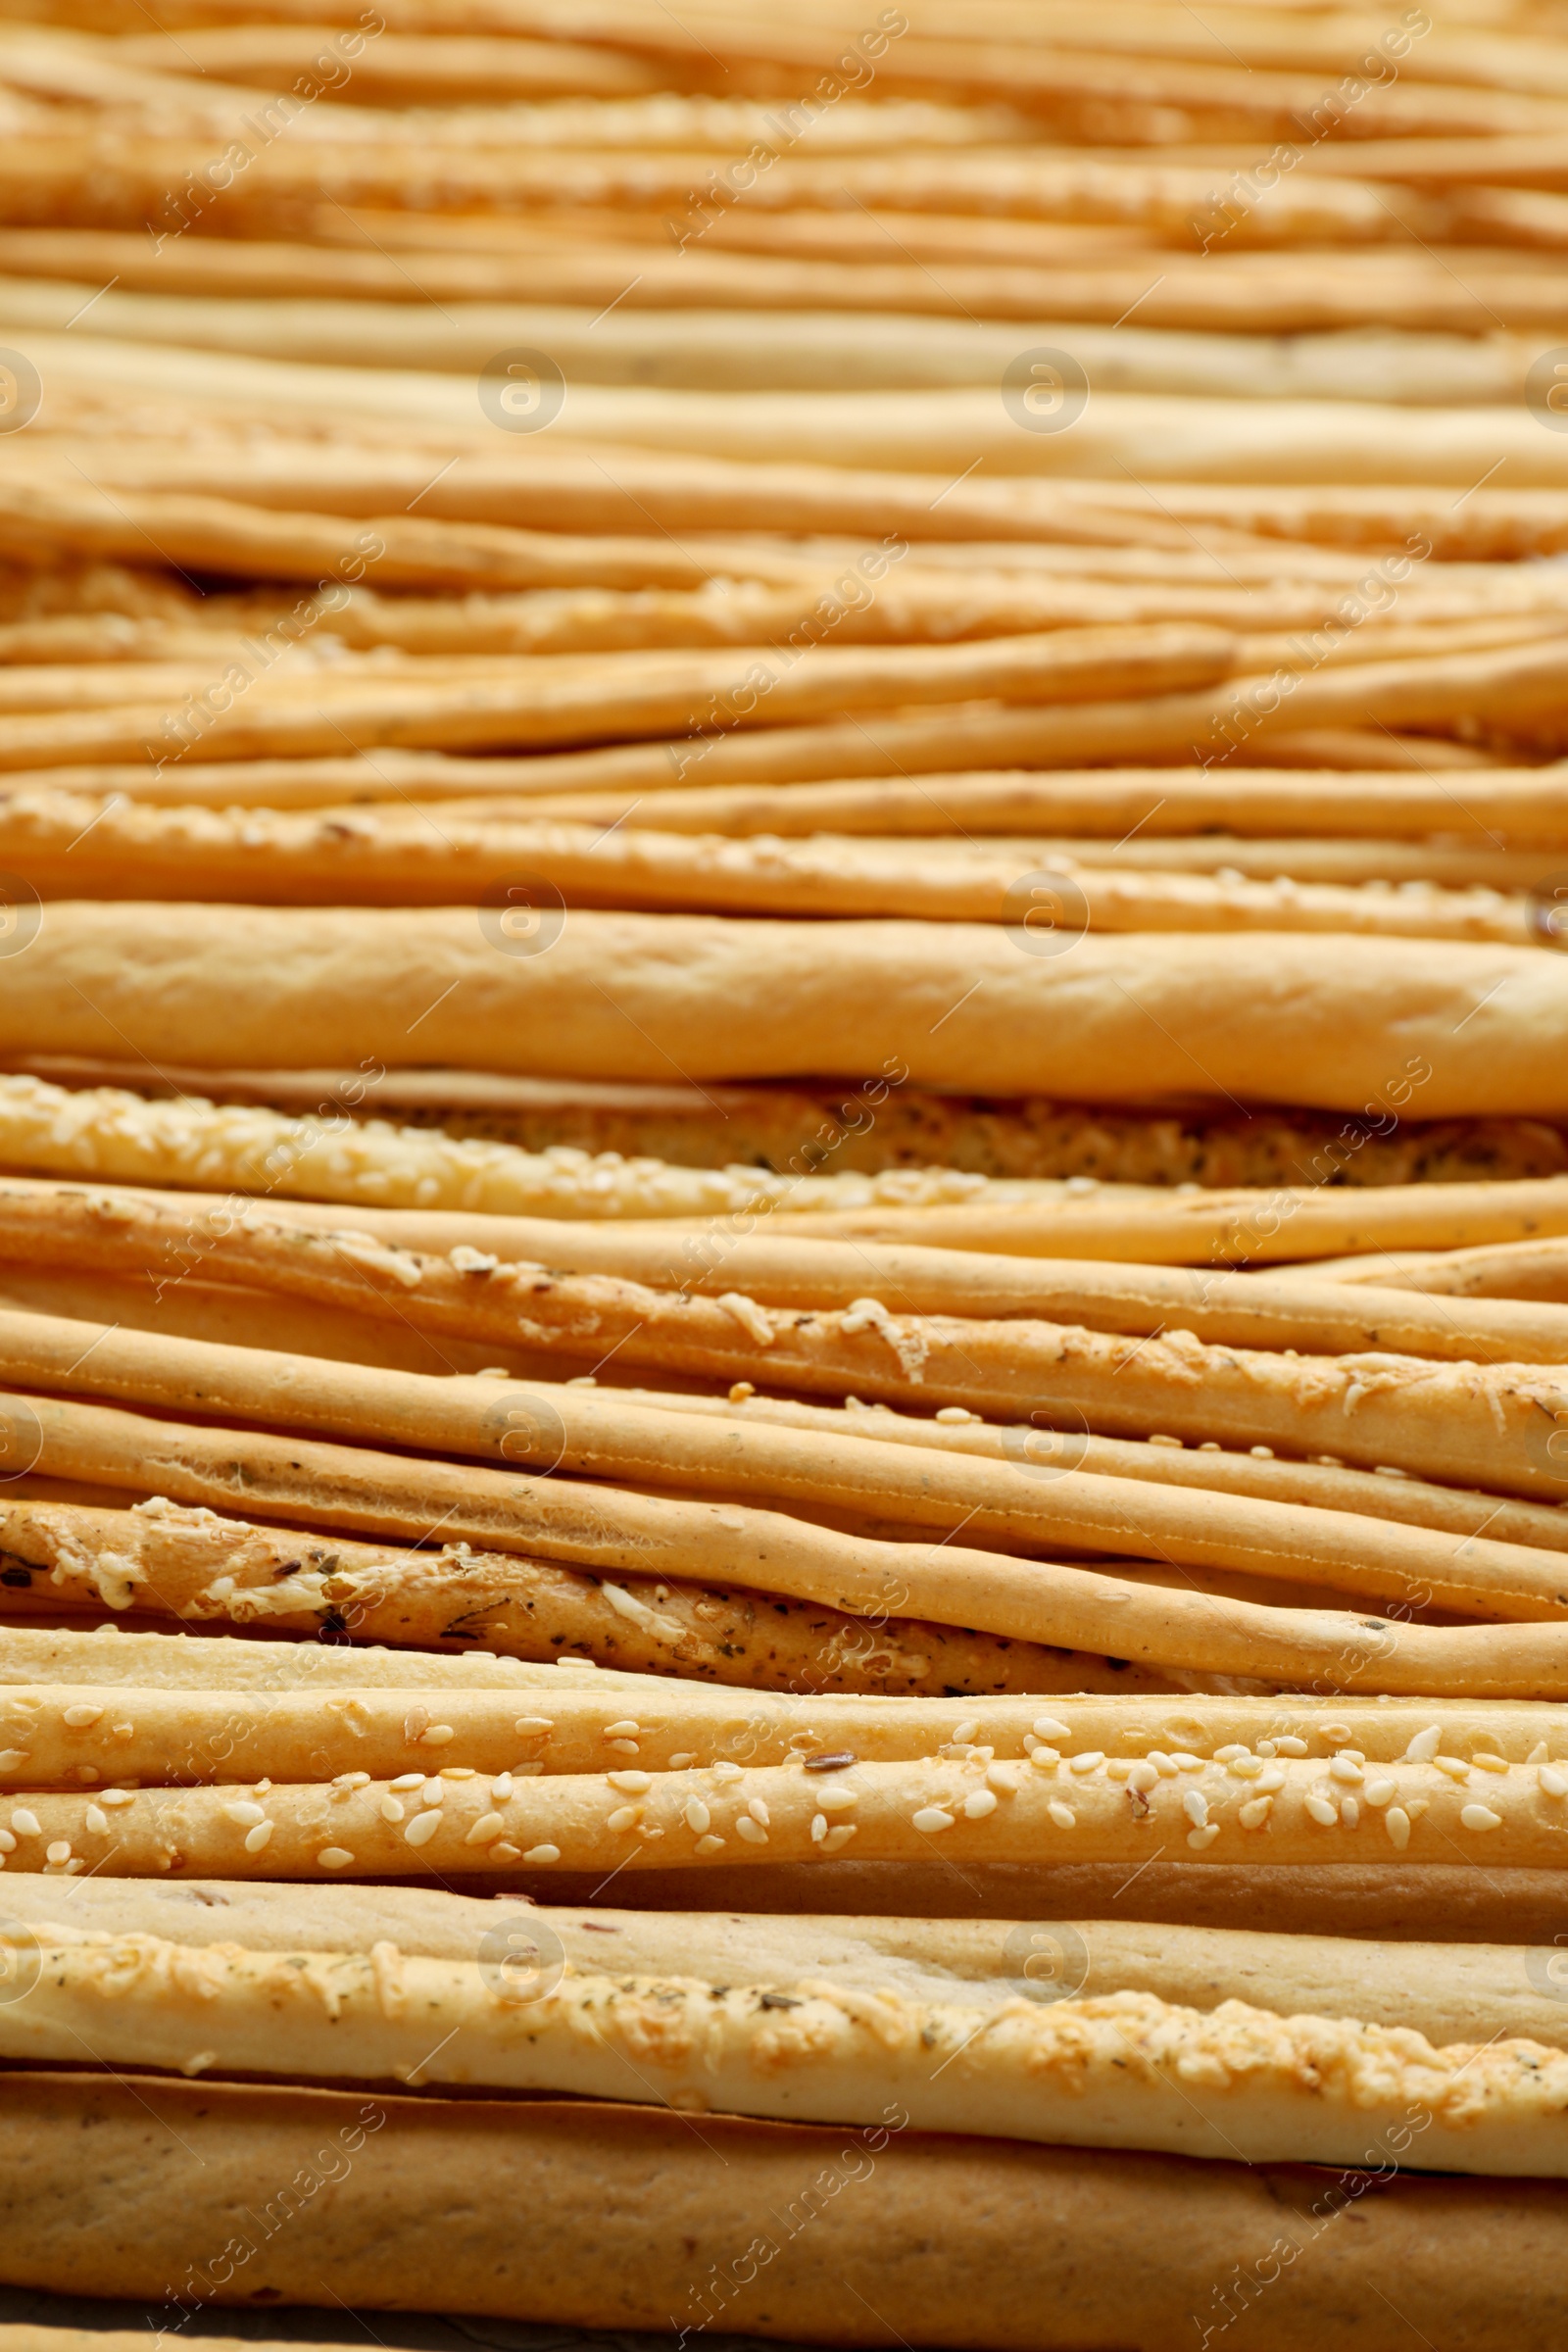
(1122,2070)
(958,1809)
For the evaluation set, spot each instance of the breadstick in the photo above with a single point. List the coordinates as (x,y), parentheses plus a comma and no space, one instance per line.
(120,1229)
(1042,1811)
(166,1561)
(110,1656)
(1448,1992)
(426,2190)
(1323,1483)
(347,857)
(57,1734)
(885,1493)
(1096,2072)
(1503,1270)
(960,1003)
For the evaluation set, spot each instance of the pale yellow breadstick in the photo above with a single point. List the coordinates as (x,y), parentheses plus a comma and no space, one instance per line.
(1044,1810)
(1501,1270)
(214,1661)
(1065,1608)
(1108,2070)
(1033,1499)
(114,1228)
(350,856)
(1479,1028)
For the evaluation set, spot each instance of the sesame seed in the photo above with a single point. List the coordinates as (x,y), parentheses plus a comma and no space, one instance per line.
(1143,1777)
(1246,1768)
(1051,1727)
(752,1831)
(1271,1779)
(624,1748)
(406,1781)
(1554,1779)
(1397,1820)
(818,1828)
(1090,1761)
(97,1820)
(1255,1812)
(837,1759)
(501,1788)
(7,1844)
(1345,1768)
(335,1857)
(930,1819)
(630,1784)
(26,1824)
(1454,1765)
(78,1718)
(432,1792)
(622,1817)
(1198,1838)
(543,1854)
(438,1735)
(485,1831)
(1489,1763)
(1323,1810)
(504,1852)
(242,1811)
(963,1732)
(1480,1817)
(1379,1792)
(390,1808)
(978,1803)
(256,1839)
(58,1850)
(422,1828)
(682,1762)
(529,1725)
(1288,1745)
(733,1772)
(838,1837)
(1194,1804)
(116,1796)
(1230,1751)
(708,1844)
(347,1781)
(697,1815)
(1425,1744)
(1045,1759)
(1063,1815)
(1349,1811)
(1184,1762)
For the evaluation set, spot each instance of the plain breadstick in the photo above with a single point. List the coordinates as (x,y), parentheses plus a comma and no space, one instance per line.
(957,1004)
(1058,2246)
(213,1661)
(958,1809)
(885,1501)
(1503,1270)
(1111,2071)
(1450,1993)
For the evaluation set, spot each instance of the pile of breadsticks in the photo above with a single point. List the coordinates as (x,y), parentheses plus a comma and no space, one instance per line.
(784,1168)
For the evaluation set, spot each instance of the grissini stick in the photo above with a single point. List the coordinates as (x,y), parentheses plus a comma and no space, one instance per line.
(960,1003)
(1446,1991)
(427,2189)
(188,1565)
(1120,2070)
(1501,1270)
(109,1657)
(351,857)
(1071,1608)
(956,1809)
(58,1734)
(1037,1504)
(1372,1403)
(117,1228)
(1324,1483)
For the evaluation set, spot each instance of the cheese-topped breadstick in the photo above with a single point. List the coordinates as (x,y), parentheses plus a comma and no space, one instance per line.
(1118,2070)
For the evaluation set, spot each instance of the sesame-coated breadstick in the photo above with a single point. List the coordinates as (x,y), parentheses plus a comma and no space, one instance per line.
(1112,2071)
(72,1735)
(963,1808)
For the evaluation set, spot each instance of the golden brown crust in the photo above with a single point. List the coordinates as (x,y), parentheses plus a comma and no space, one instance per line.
(821,2236)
